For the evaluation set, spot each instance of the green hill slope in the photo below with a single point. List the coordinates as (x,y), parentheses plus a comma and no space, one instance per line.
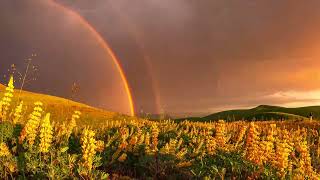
(61,108)
(264,112)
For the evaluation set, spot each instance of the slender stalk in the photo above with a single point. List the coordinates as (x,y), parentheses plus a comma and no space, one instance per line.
(24,77)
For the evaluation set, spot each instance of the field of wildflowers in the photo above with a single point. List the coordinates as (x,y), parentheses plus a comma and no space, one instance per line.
(35,146)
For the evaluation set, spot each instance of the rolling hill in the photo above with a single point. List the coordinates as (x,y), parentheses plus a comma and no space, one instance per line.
(61,108)
(262,112)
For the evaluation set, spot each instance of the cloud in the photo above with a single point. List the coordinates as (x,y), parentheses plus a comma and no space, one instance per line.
(206,55)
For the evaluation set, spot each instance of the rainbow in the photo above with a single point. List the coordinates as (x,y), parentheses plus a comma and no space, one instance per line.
(134,31)
(103,43)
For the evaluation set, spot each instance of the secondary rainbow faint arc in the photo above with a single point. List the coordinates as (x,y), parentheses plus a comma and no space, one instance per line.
(105,45)
(133,29)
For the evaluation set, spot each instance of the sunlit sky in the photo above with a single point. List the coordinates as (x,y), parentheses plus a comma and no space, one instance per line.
(181,57)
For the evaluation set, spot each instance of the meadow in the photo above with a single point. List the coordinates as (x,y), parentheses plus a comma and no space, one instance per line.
(45,138)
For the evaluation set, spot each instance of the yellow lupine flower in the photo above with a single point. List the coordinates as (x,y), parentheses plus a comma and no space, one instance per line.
(133,141)
(100,146)
(266,147)
(172,146)
(60,131)
(45,134)
(252,147)
(154,136)
(241,134)
(196,150)
(211,146)
(17,113)
(124,133)
(6,100)
(73,122)
(220,133)
(304,158)
(88,145)
(179,143)
(281,161)
(141,139)
(165,149)
(12,167)
(4,150)
(147,139)
(265,151)
(33,123)
(182,153)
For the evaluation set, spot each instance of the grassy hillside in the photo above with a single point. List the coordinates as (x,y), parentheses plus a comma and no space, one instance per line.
(263,112)
(60,108)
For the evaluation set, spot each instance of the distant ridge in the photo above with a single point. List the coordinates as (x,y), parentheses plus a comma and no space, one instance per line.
(262,112)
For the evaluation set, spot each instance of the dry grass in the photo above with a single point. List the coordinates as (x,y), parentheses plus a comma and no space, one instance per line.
(61,108)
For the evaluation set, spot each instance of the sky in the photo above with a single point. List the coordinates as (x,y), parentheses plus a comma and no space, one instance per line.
(180,57)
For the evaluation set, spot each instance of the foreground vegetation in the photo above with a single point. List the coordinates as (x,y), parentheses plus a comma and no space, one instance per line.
(35,145)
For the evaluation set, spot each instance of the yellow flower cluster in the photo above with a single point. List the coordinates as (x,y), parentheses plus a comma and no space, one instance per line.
(73,122)
(45,134)
(220,134)
(6,100)
(181,154)
(281,160)
(124,132)
(169,148)
(197,149)
(100,146)
(88,145)
(147,143)
(60,131)
(211,145)
(266,147)
(304,163)
(179,144)
(165,149)
(147,140)
(17,113)
(241,134)
(31,127)
(252,148)
(4,150)
(132,143)
(9,164)
(265,143)
(141,139)
(172,146)
(154,136)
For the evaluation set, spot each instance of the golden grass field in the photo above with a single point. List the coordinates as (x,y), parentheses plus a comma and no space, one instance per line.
(61,108)
(53,138)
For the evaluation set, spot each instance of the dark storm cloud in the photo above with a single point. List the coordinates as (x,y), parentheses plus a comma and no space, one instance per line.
(217,53)
(210,55)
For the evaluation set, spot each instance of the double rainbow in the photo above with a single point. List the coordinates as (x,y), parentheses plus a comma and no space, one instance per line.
(104,44)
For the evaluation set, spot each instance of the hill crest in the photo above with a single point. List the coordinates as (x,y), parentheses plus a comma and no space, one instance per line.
(262,112)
